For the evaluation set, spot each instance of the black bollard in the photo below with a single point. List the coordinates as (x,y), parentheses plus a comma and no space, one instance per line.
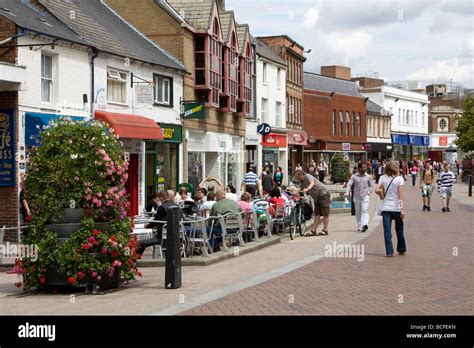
(470,185)
(173,250)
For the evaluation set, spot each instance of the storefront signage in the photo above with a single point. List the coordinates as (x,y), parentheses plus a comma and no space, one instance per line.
(274,140)
(368,147)
(132,145)
(346,146)
(193,111)
(264,129)
(312,139)
(297,138)
(172,133)
(443,141)
(7,148)
(144,94)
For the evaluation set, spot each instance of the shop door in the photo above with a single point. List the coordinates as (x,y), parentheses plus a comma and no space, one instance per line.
(132,184)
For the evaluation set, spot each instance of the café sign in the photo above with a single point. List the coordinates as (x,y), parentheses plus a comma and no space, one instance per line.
(7,148)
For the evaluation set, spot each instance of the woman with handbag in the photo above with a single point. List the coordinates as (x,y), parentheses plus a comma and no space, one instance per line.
(390,191)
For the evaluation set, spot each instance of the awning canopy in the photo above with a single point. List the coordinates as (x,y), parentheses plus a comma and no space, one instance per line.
(131,126)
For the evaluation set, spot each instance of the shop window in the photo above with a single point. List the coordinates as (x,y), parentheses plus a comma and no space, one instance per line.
(116,86)
(46,78)
(163,90)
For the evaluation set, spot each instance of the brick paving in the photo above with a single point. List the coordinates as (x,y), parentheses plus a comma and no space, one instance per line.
(428,280)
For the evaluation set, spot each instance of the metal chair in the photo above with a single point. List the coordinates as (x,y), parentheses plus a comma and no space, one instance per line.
(231,228)
(195,234)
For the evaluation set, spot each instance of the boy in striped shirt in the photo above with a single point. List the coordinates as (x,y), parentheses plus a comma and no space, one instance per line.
(445,184)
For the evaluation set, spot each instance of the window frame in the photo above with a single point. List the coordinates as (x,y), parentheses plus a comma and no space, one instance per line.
(49,79)
(170,103)
(278,114)
(121,80)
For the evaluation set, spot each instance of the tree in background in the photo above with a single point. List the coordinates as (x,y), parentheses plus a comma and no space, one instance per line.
(465,127)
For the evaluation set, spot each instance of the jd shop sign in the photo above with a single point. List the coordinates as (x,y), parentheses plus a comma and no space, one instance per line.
(193,111)
(7,148)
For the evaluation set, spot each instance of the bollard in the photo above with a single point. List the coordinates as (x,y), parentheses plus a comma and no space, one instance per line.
(173,250)
(470,185)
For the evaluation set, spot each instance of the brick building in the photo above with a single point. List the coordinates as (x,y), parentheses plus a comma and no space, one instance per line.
(293,54)
(379,141)
(334,115)
(219,57)
(442,113)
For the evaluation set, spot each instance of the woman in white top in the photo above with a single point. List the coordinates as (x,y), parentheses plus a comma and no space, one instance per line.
(182,196)
(392,207)
(231,193)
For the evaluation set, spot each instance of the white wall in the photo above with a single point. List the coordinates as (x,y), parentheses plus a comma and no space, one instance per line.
(408,101)
(71,79)
(271,91)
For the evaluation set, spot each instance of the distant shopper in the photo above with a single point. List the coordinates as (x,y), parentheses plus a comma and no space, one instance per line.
(322,170)
(278,177)
(267,181)
(392,207)
(445,183)
(250,183)
(414,172)
(427,178)
(363,187)
(25,211)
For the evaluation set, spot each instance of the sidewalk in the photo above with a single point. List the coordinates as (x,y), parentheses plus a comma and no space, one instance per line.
(200,284)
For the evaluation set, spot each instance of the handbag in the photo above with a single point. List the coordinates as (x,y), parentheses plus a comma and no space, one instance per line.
(381,192)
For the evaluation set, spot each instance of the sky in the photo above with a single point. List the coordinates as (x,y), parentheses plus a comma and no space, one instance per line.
(423,40)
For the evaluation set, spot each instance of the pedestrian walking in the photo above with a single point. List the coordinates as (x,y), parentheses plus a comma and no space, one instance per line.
(379,171)
(322,170)
(414,172)
(250,183)
(267,181)
(427,177)
(362,187)
(390,190)
(322,199)
(445,183)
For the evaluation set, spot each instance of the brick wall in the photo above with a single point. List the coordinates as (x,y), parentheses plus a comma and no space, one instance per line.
(318,114)
(9,195)
(8,29)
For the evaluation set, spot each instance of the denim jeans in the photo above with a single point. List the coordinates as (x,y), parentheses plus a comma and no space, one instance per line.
(388,216)
(413,178)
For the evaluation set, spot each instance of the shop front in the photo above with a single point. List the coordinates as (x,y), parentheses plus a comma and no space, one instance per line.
(407,146)
(275,153)
(163,158)
(297,140)
(253,148)
(133,132)
(439,145)
(381,151)
(212,154)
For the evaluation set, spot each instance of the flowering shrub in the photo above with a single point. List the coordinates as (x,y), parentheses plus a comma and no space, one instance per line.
(80,163)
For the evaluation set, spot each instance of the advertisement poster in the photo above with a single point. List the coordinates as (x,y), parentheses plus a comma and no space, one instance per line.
(7,148)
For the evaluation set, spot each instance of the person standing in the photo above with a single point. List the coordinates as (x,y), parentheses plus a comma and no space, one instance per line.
(322,170)
(267,181)
(362,189)
(445,183)
(278,177)
(25,212)
(392,207)
(414,172)
(426,185)
(322,199)
(379,171)
(250,183)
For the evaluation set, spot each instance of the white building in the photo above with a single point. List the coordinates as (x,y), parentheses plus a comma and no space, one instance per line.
(272,149)
(89,74)
(409,125)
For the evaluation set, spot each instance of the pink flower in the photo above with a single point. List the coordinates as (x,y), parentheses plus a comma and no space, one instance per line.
(101,151)
(18,284)
(109,203)
(92,239)
(96,202)
(94,274)
(104,251)
(76,178)
(99,194)
(88,197)
(106,158)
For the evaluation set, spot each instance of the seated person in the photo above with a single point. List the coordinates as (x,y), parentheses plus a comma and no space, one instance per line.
(182,196)
(161,215)
(244,202)
(222,206)
(231,193)
(209,203)
(152,206)
(275,200)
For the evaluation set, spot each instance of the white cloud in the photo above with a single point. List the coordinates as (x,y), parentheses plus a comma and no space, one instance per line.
(349,44)
(311,16)
(444,70)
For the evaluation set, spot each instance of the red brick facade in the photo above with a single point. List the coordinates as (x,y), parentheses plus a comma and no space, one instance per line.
(319,111)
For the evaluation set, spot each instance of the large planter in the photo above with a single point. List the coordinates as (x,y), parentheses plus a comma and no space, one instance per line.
(72,215)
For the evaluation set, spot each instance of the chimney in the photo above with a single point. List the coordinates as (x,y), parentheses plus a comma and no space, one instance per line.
(368,82)
(337,71)
(221,5)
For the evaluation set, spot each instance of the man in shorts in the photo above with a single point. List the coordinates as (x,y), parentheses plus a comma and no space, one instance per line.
(426,185)
(322,198)
(446,180)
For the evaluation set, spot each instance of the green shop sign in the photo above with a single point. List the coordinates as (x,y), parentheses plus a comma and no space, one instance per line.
(172,133)
(193,111)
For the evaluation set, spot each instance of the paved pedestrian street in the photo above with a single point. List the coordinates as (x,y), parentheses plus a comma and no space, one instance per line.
(295,278)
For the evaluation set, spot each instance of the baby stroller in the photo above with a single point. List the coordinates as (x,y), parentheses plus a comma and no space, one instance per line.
(262,217)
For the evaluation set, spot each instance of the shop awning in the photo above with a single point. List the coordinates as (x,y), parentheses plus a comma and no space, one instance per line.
(131,126)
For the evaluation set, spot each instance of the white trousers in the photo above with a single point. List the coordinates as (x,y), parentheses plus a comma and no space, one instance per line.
(362,211)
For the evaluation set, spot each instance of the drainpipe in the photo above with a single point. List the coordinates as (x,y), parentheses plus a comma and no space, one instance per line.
(95,53)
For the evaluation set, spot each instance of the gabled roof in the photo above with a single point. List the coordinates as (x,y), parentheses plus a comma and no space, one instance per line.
(226,21)
(195,12)
(266,52)
(329,84)
(104,29)
(242,30)
(377,109)
(29,17)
